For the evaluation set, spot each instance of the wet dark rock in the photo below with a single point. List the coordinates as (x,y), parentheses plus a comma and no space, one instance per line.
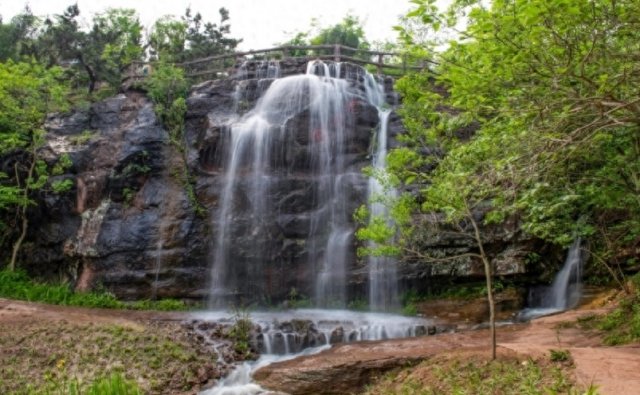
(128,224)
(126,220)
(421,330)
(337,335)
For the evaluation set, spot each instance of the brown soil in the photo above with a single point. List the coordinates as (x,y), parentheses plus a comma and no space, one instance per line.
(615,370)
(48,347)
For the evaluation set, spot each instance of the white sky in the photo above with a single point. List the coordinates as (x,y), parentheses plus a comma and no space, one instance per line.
(260,23)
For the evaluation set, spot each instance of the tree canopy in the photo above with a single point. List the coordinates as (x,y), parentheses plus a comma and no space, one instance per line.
(190,37)
(97,55)
(534,105)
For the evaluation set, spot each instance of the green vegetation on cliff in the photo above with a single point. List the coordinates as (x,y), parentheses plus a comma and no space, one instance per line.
(532,115)
(28,92)
(52,64)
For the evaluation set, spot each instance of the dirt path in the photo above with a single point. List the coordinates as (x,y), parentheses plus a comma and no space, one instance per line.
(615,370)
(15,311)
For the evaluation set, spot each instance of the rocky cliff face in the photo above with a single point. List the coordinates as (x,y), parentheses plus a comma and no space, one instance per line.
(129,226)
(127,221)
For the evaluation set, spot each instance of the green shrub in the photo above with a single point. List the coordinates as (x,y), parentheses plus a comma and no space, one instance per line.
(240,332)
(621,325)
(17,285)
(115,384)
(410,309)
(559,355)
(161,305)
(62,186)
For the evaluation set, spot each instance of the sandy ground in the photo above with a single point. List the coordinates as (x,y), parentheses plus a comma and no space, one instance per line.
(15,312)
(615,370)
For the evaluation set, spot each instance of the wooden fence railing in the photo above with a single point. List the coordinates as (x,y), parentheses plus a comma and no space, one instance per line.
(214,65)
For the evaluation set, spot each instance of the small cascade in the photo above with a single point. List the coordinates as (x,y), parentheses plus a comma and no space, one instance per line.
(287,335)
(383,281)
(565,291)
(158,266)
(292,332)
(566,288)
(239,381)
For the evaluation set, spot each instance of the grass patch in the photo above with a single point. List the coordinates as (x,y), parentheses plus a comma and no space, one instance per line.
(475,375)
(559,355)
(620,326)
(113,384)
(17,285)
(58,357)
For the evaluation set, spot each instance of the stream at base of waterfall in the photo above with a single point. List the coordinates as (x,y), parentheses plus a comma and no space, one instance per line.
(289,334)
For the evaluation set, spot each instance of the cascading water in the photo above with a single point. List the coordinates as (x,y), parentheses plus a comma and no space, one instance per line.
(564,292)
(567,286)
(302,130)
(259,159)
(286,335)
(383,281)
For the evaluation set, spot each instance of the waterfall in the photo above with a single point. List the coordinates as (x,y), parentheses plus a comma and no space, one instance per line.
(564,292)
(383,281)
(566,288)
(300,131)
(259,158)
(327,129)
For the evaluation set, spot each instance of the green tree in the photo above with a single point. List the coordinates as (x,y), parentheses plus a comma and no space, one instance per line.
(99,55)
(18,37)
(116,37)
(168,39)
(207,38)
(348,32)
(28,92)
(552,86)
(532,114)
(175,40)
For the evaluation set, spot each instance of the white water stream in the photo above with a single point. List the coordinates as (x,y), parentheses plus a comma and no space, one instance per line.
(383,278)
(257,141)
(566,289)
(328,326)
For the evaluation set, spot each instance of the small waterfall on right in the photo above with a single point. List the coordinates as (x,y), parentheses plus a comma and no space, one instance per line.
(565,291)
(383,278)
(566,288)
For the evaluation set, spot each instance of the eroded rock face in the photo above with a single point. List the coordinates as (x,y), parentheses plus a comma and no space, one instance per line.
(128,225)
(127,221)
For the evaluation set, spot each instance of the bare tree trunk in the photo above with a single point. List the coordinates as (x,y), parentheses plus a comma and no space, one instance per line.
(23,213)
(18,243)
(93,78)
(488,274)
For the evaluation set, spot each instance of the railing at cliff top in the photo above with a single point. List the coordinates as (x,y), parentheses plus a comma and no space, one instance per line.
(220,64)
